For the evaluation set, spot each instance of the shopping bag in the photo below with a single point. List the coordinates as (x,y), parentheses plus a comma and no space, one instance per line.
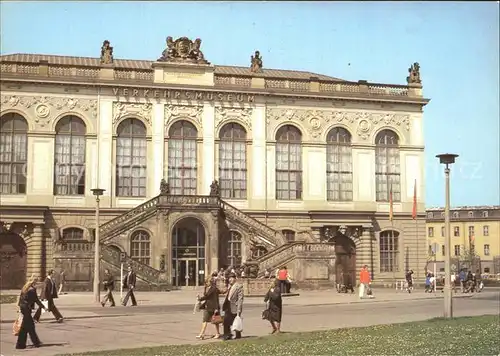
(45,304)
(237,324)
(16,327)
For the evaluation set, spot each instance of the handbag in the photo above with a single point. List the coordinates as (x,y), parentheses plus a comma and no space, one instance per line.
(217,319)
(16,327)
(265,314)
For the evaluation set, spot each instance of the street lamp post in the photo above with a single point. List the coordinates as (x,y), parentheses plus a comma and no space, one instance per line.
(97,253)
(447,159)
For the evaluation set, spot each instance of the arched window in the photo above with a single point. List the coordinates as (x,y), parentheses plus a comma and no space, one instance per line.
(13,154)
(234,249)
(289,235)
(69,157)
(388,171)
(131,159)
(430,215)
(182,158)
(339,165)
(389,251)
(288,163)
(140,249)
(233,161)
(72,233)
(456,215)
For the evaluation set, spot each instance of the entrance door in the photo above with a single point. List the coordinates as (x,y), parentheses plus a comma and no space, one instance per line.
(188,253)
(188,273)
(345,260)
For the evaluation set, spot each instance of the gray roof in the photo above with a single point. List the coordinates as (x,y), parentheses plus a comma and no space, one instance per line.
(134,64)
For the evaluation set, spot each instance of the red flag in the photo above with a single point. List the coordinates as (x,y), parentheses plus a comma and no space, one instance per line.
(414,212)
(390,204)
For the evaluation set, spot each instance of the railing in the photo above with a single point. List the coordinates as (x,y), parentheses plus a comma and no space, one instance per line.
(147,75)
(117,222)
(290,251)
(146,272)
(74,246)
(268,232)
(193,200)
(224,80)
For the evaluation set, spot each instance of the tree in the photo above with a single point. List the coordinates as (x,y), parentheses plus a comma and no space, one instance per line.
(468,260)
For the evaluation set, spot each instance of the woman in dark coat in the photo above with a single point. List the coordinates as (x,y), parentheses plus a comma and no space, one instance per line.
(211,306)
(27,301)
(275,306)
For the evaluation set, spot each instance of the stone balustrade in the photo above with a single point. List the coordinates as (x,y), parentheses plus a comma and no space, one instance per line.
(43,68)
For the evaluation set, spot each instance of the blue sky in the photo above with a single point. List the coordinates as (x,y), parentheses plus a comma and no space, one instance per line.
(456,44)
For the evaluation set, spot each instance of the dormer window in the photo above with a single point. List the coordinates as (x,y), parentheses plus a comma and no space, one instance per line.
(485,214)
(456,215)
(471,214)
(430,215)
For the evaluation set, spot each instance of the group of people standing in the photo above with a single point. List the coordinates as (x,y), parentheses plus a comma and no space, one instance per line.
(232,307)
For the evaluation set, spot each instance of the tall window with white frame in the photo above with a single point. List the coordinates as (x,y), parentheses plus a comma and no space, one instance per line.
(339,165)
(234,257)
(182,158)
(387,166)
(131,158)
(389,251)
(69,156)
(140,247)
(233,161)
(13,153)
(288,163)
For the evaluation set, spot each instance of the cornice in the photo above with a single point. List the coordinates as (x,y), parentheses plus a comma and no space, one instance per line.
(274,93)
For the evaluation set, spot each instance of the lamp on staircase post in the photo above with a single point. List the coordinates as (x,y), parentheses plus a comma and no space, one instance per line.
(97,253)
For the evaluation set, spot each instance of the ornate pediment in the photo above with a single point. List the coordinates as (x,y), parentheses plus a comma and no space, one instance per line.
(241,115)
(141,110)
(174,112)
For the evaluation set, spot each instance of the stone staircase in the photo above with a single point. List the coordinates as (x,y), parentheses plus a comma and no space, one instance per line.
(264,233)
(128,220)
(148,277)
(280,251)
(144,211)
(285,254)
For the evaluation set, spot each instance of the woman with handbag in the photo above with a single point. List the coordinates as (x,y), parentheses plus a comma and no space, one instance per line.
(274,306)
(27,301)
(211,307)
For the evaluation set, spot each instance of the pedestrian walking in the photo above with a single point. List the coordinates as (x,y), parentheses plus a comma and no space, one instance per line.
(49,293)
(129,283)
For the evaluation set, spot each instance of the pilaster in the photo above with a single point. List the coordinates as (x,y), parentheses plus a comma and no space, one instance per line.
(207,163)
(156,160)
(105,149)
(212,248)
(258,165)
(363,250)
(35,250)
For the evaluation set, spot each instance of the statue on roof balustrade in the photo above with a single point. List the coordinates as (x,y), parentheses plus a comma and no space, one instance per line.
(106,53)
(414,77)
(256,63)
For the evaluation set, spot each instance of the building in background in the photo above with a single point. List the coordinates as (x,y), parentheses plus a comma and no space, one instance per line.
(276,166)
(475,235)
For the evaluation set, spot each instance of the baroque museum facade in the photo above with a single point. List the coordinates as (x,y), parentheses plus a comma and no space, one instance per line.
(204,167)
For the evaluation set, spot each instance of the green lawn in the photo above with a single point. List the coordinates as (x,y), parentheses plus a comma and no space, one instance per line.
(8,299)
(460,336)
